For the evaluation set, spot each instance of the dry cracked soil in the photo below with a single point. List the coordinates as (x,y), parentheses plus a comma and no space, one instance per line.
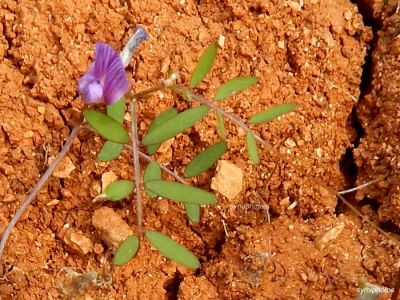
(285,235)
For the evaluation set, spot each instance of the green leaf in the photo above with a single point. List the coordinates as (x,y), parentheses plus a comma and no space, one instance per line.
(117,190)
(173,250)
(161,118)
(152,172)
(117,110)
(234,86)
(110,151)
(220,125)
(193,212)
(272,113)
(205,159)
(252,148)
(175,125)
(126,250)
(106,126)
(180,192)
(204,65)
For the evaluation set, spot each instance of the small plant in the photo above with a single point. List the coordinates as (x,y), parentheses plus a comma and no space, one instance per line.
(106,83)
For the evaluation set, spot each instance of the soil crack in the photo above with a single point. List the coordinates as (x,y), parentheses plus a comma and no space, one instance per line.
(348,165)
(172,286)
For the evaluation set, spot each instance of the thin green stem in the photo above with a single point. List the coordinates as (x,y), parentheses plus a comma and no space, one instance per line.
(136,164)
(25,204)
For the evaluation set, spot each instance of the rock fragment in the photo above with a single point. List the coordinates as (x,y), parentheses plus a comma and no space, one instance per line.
(77,241)
(3,223)
(229,179)
(107,178)
(64,169)
(331,235)
(110,226)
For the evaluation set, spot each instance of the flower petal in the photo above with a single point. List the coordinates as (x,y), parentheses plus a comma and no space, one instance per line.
(104,57)
(91,89)
(116,82)
(139,36)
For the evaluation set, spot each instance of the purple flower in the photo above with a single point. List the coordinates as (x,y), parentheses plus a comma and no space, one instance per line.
(106,80)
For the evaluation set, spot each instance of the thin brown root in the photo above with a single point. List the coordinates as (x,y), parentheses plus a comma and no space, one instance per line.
(269,250)
(225,229)
(32,195)
(362,185)
(361,215)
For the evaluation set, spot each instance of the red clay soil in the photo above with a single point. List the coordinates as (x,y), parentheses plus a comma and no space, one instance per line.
(379,114)
(377,11)
(310,52)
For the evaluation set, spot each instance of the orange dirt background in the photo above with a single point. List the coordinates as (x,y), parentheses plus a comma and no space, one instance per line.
(311,52)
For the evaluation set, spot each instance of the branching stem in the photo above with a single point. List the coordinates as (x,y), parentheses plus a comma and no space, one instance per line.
(136,164)
(215,107)
(147,92)
(28,200)
(165,169)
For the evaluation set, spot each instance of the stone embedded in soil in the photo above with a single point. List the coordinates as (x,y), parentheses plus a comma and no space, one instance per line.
(165,146)
(3,223)
(331,235)
(379,10)
(107,178)
(8,198)
(193,287)
(77,241)
(64,169)
(95,188)
(53,202)
(228,180)
(98,248)
(110,226)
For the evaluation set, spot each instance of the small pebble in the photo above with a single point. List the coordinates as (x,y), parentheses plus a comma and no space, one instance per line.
(64,169)
(221,41)
(107,178)
(111,227)
(331,235)
(228,180)
(77,241)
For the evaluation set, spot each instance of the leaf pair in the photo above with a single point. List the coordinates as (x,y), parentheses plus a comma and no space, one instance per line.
(160,119)
(265,116)
(226,90)
(110,128)
(174,125)
(200,163)
(153,173)
(164,244)
(106,126)
(204,66)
